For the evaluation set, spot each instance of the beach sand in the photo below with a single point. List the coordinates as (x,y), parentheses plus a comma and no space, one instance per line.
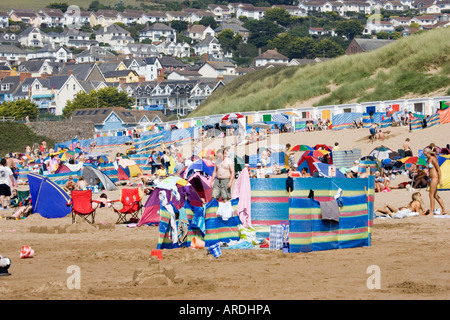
(412,254)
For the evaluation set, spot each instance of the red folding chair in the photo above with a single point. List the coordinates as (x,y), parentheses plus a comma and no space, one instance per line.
(81,204)
(131,200)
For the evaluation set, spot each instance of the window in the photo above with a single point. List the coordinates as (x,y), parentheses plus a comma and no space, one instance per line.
(36,87)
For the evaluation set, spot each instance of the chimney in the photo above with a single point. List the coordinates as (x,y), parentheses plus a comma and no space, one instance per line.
(24,75)
(141,79)
(205,57)
(44,76)
(160,76)
(259,51)
(70,72)
(122,80)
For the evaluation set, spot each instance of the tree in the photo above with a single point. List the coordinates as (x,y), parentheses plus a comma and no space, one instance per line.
(328,49)
(19,109)
(228,40)
(208,21)
(278,15)
(102,98)
(261,31)
(179,25)
(59,5)
(349,28)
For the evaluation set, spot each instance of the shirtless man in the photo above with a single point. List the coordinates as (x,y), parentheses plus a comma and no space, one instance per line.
(407,148)
(223,176)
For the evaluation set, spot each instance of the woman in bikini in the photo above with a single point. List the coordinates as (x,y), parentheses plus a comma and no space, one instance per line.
(434,172)
(415,205)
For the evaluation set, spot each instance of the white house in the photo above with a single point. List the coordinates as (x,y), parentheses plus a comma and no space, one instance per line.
(198,32)
(222,12)
(373,27)
(170,48)
(129,17)
(33,37)
(251,12)
(140,50)
(94,54)
(270,57)
(11,53)
(217,69)
(425,20)
(114,35)
(154,16)
(52,93)
(400,21)
(4,20)
(52,52)
(157,31)
(430,9)
(210,45)
(52,17)
(147,67)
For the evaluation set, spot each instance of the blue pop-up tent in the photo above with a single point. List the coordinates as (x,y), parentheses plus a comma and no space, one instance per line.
(47,198)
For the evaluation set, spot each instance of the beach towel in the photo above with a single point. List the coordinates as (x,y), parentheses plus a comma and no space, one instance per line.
(242,190)
(330,210)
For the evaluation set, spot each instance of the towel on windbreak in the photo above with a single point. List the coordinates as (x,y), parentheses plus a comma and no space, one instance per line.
(330,210)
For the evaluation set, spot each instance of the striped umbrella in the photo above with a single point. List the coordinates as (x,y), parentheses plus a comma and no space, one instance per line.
(300,147)
(232,116)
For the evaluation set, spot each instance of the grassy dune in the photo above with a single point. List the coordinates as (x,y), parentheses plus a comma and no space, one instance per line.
(414,66)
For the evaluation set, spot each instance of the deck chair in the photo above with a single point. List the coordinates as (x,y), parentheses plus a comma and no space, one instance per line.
(131,205)
(81,204)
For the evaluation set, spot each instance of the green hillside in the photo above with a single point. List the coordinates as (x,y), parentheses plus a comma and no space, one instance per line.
(15,137)
(417,65)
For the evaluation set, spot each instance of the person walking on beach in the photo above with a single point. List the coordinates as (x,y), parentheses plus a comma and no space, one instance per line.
(434,172)
(223,176)
(6,181)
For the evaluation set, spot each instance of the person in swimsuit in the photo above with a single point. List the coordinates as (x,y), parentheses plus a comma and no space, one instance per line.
(415,205)
(434,172)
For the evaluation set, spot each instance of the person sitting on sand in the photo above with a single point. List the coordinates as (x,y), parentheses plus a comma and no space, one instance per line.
(305,173)
(101,202)
(24,210)
(81,184)
(381,182)
(70,184)
(415,205)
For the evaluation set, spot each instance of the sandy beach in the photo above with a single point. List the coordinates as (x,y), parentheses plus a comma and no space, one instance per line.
(412,254)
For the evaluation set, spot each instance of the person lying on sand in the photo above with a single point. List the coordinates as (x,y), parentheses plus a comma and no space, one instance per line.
(415,205)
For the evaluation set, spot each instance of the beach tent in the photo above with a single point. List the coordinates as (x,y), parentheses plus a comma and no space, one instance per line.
(382,153)
(308,163)
(444,115)
(201,184)
(47,198)
(127,169)
(203,165)
(176,190)
(62,168)
(444,164)
(94,177)
(323,170)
